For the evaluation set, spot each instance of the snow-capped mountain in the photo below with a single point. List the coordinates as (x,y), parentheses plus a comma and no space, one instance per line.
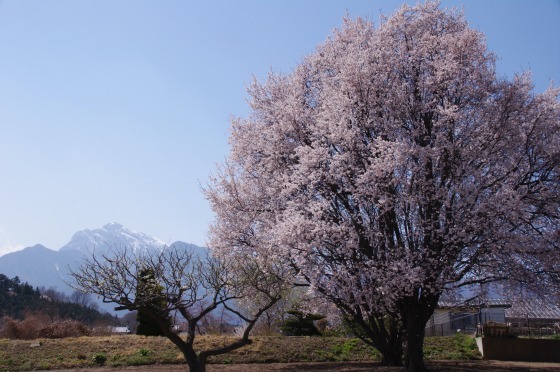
(112,236)
(44,267)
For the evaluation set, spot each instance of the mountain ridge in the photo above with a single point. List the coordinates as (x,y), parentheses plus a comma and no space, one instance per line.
(112,235)
(44,267)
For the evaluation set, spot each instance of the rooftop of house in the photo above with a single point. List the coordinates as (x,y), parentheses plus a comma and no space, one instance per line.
(533,309)
(475,303)
(514,309)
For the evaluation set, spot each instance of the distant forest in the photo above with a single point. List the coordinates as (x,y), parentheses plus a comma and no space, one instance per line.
(19,299)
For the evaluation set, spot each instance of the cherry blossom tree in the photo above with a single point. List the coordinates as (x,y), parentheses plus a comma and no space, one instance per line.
(181,281)
(391,165)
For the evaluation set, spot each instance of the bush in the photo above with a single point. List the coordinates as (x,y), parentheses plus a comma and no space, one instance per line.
(9,328)
(344,351)
(301,324)
(99,359)
(26,329)
(37,326)
(465,343)
(63,329)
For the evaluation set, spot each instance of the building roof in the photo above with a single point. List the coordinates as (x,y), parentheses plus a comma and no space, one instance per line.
(475,302)
(533,309)
(517,309)
(120,330)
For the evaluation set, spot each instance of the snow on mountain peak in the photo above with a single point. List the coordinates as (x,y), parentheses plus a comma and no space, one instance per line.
(113,226)
(112,236)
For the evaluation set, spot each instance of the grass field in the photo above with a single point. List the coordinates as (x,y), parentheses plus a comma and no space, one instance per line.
(132,350)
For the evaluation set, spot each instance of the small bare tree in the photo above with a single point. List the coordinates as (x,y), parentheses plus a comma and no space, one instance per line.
(81,298)
(192,285)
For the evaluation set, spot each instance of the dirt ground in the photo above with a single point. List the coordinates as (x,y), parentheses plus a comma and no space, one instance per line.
(436,366)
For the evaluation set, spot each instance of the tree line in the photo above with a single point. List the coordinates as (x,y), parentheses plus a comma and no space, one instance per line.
(18,299)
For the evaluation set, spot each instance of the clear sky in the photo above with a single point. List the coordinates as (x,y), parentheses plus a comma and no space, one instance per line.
(117,110)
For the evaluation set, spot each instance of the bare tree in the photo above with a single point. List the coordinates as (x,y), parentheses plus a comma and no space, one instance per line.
(192,285)
(81,298)
(52,294)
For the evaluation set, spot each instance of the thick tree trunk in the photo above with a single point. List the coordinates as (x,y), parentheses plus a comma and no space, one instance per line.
(194,363)
(414,356)
(194,366)
(417,311)
(392,357)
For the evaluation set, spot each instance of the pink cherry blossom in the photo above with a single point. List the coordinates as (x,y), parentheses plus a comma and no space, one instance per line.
(391,165)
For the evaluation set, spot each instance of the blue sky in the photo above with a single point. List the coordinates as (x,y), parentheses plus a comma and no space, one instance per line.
(118,110)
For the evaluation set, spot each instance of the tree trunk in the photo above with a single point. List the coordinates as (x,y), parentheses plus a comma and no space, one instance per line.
(194,363)
(414,356)
(415,322)
(384,334)
(392,357)
(193,366)
(392,351)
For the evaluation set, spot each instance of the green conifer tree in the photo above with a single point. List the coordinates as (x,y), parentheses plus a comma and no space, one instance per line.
(149,291)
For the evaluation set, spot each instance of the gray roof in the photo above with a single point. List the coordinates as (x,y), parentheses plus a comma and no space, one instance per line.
(496,302)
(475,302)
(533,309)
(520,309)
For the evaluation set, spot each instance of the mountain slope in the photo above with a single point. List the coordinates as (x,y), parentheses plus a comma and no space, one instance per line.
(18,299)
(39,266)
(43,267)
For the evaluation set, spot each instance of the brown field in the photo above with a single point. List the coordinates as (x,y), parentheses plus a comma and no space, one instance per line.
(436,366)
(137,353)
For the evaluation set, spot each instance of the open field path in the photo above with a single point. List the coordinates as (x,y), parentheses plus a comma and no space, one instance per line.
(436,366)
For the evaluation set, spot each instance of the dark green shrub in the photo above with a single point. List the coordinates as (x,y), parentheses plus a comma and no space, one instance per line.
(301,324)
(99,359)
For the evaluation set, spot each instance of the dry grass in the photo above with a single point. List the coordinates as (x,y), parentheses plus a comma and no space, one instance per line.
(39,326)
(133,350)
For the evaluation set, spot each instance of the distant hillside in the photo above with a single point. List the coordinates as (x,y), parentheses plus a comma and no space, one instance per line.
(40,266)
(17,299)
(43,267)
